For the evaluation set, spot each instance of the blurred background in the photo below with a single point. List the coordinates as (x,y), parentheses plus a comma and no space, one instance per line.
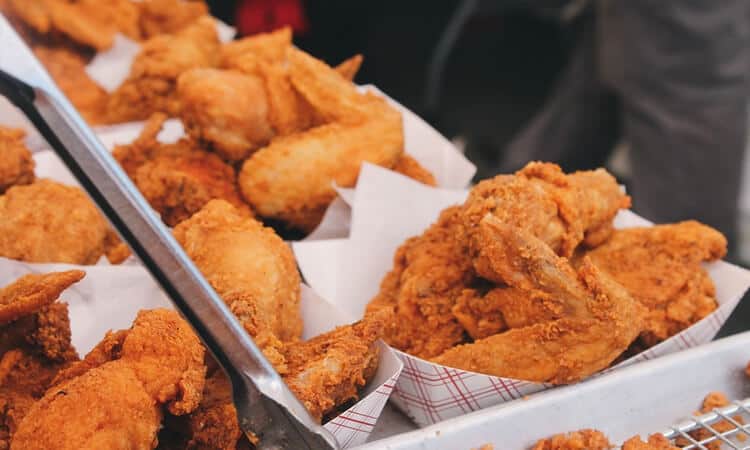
(514,80)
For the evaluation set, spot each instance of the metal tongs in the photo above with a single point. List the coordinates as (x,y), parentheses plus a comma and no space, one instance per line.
(266,408)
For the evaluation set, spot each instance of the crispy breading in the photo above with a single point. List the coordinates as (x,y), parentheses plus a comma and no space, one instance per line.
(225,109)
(49,222)
(601,318)
(152,82)
(661,268)
(576,440)
(251,268)
(177,179)
(116,400)
(16,163)
(34,291)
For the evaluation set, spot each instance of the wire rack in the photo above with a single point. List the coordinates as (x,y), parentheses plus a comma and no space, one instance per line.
(728,426)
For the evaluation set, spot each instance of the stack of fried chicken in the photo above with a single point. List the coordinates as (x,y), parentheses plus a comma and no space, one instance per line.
(269,127)
(153,386)
(528,279)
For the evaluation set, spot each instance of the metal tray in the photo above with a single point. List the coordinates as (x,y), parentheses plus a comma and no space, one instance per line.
(642,399)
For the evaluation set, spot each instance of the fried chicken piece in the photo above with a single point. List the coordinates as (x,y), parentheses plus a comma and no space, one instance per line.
(429,272)
(251,268)
(50,222)
(328,370)
(16,163)
(655,442)
(177,179)
(660,267)
(263,55)
(567,209)
(291,179)
(152,82)
(116,403)
(34,343)
(68,69)
(576,440)
(325,373)
(601,319)
(225,109)
(410,167)
(169,16)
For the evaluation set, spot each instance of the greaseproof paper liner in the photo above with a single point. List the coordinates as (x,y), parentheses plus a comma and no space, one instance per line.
(388,209)
(109,297)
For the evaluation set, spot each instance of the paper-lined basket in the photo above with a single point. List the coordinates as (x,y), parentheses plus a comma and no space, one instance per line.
(386,210)
(109,297)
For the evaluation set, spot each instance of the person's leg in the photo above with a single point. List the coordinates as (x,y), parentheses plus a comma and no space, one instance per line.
(580,122)
(685,97)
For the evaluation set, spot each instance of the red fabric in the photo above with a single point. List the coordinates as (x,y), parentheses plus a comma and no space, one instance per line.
(258,16)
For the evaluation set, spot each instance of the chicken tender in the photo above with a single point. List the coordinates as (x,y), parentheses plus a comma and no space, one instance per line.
(601,319)
(251,268)
(225,109)
(50,222)
(177,179)
(291,179)
(655,442)
(16,163)
(152,83)
(661,268)
(116,402)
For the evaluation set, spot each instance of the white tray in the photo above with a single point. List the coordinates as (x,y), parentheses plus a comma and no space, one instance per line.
(641,399)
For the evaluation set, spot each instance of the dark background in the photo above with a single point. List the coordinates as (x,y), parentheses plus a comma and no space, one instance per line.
(505,59)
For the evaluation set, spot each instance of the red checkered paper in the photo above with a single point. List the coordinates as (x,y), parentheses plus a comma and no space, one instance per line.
(386,210)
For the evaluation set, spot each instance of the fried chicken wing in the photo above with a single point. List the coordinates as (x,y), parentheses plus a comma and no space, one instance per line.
(429,272)
(577,440)
(16,163)
(68,69)
(152,82)
(566,208)
(177,179)
(601,319)
(251,268)
(50,222)
(225,109)
(34,343)
(660,267)
(116,403)
(291,179)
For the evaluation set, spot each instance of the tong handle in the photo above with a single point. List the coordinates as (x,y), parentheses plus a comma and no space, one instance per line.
(266,407)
